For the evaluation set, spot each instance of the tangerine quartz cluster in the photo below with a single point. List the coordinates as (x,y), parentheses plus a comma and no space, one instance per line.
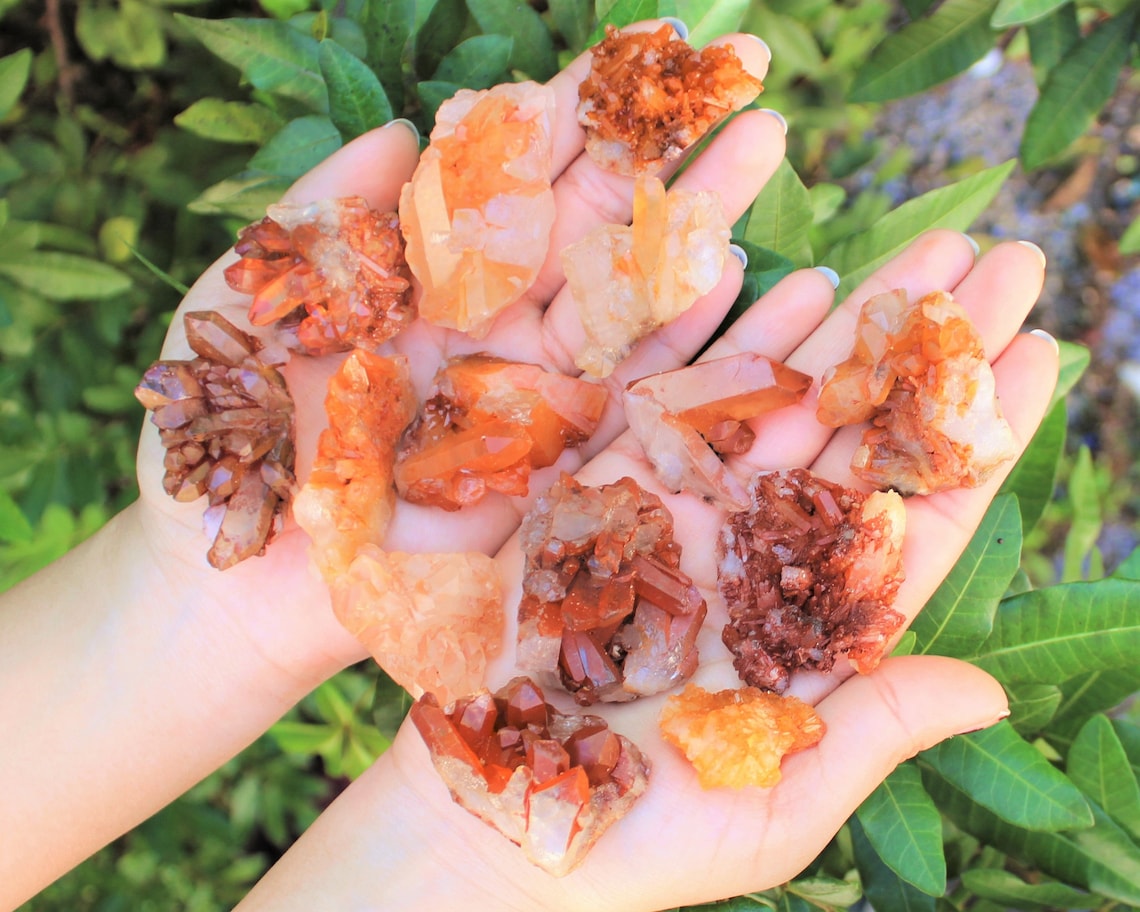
(649,96)
(737,738)
(551,783)
(684,418)
(478,210)
(606,610)
(919,374)
(331,273)
(486,423)
(629,280)
(226,421)
(809,573)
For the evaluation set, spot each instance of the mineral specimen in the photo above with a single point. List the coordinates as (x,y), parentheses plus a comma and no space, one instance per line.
(487,422)
(432,621)
(332,273)
(552,783)
(681,417)
(919,374)
(649,96)
(809,573)
(226,421)
(736,738)
(606,610)
(348,499)
(628,280)
(478,211)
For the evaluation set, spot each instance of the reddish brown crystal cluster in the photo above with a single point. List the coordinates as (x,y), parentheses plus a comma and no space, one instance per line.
(649,96)
(681,417)
(333,273)
(919,374)
(487,422)
(606,610)
(226,420)
(808,574)
(550,782)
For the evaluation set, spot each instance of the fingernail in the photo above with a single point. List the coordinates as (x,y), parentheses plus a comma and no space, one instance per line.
(679,27)
(764,44)
(778,116)
(1040,253)
(1041,334)
(973,243)
(1001,717)
(403,121)
(830,274)
(739,253)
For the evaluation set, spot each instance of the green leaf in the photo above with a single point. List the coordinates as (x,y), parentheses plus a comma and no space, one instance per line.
(1032,706)
(1075,92)
(14,71)
(823,892)
(303,739)
(781,216)
(1022,12)
(1098,765)
(883,888)
(959,616)
(332,705)
(63,276)
(244,195)
(954,207)
(1011,892)
(799,49)
(299,146)
(572,20)
(388,26)
(272,55)
(477,63)
(904,828)
(533,50)
(1035,474)
(1050,39)
(1074,361)
(1130,240)
(229,121)
(433,94)
(706,19)
(357,102)
(1088,518)
(926,52)
(1085,695)
(1129,735)
(14,526)
(621,14)
(1129,567)
(441,30)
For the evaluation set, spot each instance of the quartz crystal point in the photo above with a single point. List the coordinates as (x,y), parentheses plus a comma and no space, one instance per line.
(606,610)
(919,374)
(348,499)
(737,738)
(226,421)
(487,422)
(331,273)
(629,280)
(649,96)
(809,573)
(432,621)
(681,417)
(552,783)
(478,210)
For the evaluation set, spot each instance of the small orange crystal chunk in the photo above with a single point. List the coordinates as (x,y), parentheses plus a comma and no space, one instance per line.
(226,421)
(606,610)
(736,738)
(649,96)
(487,422)
(549,782)
(681,417)
(629,280)
(332,273)
(432,621)
(809,573)
(348,499)
(478,210)
(919,374)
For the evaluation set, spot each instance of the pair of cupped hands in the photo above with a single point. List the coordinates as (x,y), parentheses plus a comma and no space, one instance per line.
(679,844)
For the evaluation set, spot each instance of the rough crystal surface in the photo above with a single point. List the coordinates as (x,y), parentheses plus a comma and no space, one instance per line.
(737,738)
(629,280)
(919,374)
(477,212)
(809,573)
(226,421)
(681,417)
(606,611)
(649,96)
(486,423)
(552,783)
(332,273)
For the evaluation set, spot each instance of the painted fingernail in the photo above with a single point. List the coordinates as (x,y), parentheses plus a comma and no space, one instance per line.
(973,243)
(1042,334)
(1037,250)
(764,44)
(403,121)
(830,274)
(739,253)
(679,27)
(778,116)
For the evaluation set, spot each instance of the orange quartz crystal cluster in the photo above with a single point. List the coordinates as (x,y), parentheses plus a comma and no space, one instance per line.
(332,274)
(551,783)
(478,210)
(226,421)
(684,418)
(809,573)
(606,610)
(649,96)
(486,423)
(737,738)
(627,281)
(919,374)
